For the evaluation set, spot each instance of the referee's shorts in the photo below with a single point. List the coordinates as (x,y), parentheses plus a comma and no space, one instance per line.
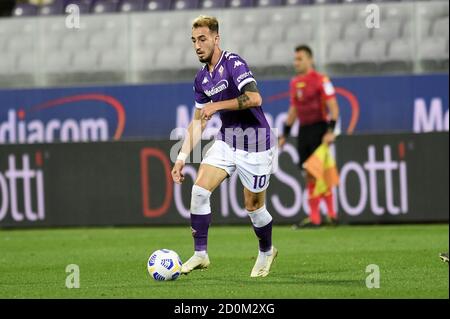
(309,139)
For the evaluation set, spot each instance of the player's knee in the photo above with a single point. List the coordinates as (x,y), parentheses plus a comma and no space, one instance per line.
(260,217)
(252,204)
(200,204)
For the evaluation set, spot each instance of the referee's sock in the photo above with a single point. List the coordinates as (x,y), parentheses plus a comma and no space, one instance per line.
(313,202)
(328,197)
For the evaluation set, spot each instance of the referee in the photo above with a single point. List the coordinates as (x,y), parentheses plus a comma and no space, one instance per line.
(313,102)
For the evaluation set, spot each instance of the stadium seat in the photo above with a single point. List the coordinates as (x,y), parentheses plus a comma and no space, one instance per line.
(440,28)
(26,63)
(24,9)
(434,49)
(157,5)
(52,42)
(356,31)
(85,61)
(251,18)
(241,3)
(239,38)
(268,3)
(282,54)
(332,31)
(20,43)
(399,57)
(143,61)
(256,55)
(131,6)
(57,62)
(370,54)
(183,39)
(270,33)
(190,60)
(83,5)
(432,11)
(54,8)
(105,6)
(340,55)
(75,41)
(102,40)
(186,4)
(113,61)
(212,4)
(169,58)
(156,38)
(396,12)
(298,2)
(299,33)
(341,15)
(326,1)
(7,61)
(388,30)
(284,17)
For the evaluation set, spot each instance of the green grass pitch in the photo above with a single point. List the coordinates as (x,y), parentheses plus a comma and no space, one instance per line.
(316,263)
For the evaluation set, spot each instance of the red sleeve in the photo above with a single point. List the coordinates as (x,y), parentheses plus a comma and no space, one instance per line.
(292,93)
(327,88)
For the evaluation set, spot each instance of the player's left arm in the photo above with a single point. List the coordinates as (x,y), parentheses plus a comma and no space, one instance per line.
(333,109)
(250,97)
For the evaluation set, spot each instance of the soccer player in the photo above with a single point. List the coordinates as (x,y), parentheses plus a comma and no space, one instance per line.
(312,97)
(225,85)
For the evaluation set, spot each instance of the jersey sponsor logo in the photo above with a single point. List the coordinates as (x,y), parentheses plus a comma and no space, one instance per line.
(237,63)
(219,87)
(243,76)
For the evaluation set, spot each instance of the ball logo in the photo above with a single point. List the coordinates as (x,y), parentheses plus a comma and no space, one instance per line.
(26,125)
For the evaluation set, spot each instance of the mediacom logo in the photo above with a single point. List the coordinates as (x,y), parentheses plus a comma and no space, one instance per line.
(22,189)
(18,129)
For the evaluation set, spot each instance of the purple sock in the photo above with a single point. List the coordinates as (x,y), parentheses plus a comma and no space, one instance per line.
(264,235)
(199,226)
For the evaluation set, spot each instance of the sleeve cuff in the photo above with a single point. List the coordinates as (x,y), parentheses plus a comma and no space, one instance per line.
(246,81)
(200,105)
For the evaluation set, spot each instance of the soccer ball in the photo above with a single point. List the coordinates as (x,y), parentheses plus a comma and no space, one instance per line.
(164,264)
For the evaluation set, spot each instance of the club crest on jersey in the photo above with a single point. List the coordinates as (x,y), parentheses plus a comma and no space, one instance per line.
(299,93)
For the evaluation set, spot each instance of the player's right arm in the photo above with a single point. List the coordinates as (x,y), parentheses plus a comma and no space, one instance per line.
(193,136)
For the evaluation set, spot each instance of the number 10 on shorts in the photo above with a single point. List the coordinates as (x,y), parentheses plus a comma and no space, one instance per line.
(259,181)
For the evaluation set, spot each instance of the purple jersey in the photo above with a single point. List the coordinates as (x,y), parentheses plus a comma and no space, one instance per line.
(242,129)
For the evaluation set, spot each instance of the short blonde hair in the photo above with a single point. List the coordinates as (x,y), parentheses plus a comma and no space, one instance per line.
(206,21)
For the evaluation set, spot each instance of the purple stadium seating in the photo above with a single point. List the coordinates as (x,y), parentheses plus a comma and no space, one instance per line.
(186,4)
(84,5)
(327,1)
(269,3)
(105,6)
(241,3)
(211,4)
(131,6)
(298,2)
(157,5)
(24,9)
(54,8)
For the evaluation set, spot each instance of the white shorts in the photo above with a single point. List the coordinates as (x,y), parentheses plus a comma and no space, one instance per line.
(254,168)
